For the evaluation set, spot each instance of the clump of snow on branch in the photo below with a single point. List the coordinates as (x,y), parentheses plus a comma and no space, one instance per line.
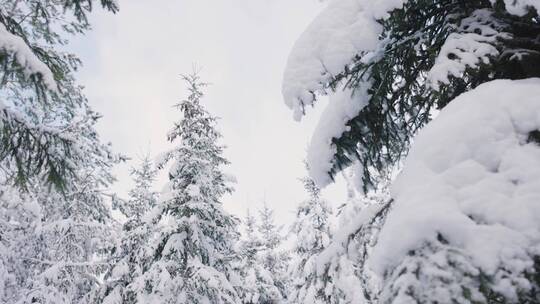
(468,196)
(343,31)
(24,56)
(520,7)
(471,45)
(343,106)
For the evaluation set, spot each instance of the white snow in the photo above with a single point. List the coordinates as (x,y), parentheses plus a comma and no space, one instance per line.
(348,29)
(473,177)
(341,237)
(193,190)
(31,64)
(471,45)
(344,105)
(344,30)
(520,7)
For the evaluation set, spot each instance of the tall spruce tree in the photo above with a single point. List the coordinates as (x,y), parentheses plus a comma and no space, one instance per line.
(192,248)
(312,231)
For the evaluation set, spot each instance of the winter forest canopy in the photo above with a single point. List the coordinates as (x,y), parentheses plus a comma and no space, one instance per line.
(431,122)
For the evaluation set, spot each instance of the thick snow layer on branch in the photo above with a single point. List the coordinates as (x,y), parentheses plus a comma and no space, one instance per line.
(343,106)
(472,177)
(470,46)
(31,64)
(520,7)
(344,30)
(348,29)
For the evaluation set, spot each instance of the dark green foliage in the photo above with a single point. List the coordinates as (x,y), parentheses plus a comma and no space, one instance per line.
(401,98)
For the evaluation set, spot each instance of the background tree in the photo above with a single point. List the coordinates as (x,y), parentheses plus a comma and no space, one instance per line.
(60,241)
(311,229)
(272,256)
(193,246)
(256,283)
(132,253)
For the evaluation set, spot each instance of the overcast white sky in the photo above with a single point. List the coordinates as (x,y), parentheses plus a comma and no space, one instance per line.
(131,65)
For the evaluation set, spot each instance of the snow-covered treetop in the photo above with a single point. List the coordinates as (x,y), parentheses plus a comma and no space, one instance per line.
(196,161)
(193,249)
(471,182)
(312,224)
(141,197)
(270,233)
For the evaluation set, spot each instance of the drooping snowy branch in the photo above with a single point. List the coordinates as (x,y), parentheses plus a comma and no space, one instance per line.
(472,44)
(344,30)
(15,45)
(343,106)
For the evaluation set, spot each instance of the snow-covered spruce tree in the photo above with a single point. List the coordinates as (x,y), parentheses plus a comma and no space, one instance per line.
(132,252)
(311,229)
(397,62)
(256,283)
(40,101)
(459,228)
(272,257)
(193,246)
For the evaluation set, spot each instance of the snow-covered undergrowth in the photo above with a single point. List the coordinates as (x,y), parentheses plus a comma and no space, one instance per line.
(466,216)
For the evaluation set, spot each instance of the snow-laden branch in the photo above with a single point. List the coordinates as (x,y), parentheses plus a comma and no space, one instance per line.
(468,192)
(344,105)
(15,45)
(472,45)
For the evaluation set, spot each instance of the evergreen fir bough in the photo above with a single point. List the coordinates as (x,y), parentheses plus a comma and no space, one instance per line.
(42,106)
(429,52)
